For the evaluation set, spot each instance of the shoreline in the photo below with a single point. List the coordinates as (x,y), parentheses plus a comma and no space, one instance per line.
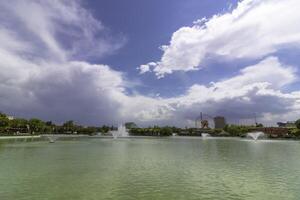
(131,137)
(19,137)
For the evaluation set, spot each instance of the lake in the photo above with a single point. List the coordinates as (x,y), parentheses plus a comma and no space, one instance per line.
(149,169)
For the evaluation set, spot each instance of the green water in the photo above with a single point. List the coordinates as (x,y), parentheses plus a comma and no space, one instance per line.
(149,169)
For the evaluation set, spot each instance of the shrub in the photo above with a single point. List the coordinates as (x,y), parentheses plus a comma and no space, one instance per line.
(235,130)
(152,131)
(298,123)
(295,132)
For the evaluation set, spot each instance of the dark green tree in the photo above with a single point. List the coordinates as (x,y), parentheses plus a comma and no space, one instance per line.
(18,123)
(260,125)
(36,125)
(298,123)
(69,126)
(166,131)
(87,130)
(49,123)
(4,121)
(104,129)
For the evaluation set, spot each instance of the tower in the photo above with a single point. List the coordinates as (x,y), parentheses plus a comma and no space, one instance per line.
(220,122)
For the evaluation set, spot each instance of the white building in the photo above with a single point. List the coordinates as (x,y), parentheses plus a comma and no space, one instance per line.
(10,118)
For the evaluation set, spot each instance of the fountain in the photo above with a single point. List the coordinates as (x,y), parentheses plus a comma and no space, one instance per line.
(52,139)
(204,135)
(121,132)
(255,135)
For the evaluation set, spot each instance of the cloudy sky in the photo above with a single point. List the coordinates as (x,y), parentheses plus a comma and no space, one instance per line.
(152,62)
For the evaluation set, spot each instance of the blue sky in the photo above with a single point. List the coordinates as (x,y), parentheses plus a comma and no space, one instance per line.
(146,25)
(152,62)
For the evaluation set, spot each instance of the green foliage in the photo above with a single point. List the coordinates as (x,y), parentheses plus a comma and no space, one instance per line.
(36,125)
(259,125)
(4,121)
(235,130)
(165,131)
(69,126)
(18,123)
(3,115)
(2,131)
(104,129)
(152,131)
(295,132)
(49,123)
(298,123)
(87,130)
(217,131)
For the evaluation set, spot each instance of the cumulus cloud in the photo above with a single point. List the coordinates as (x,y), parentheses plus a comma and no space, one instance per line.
(147,67)
(253,29)
(57,29)
(144,68)
(41,72)
(255,90)
(42,77)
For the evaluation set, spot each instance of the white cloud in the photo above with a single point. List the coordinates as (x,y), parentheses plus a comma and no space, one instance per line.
(147,67)
(269,70)
(254,29)
(39,73)
(58,29)
(257,89)
(144,68)
(40,77)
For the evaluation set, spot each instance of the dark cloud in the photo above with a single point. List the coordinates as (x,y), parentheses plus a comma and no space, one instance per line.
(41,77)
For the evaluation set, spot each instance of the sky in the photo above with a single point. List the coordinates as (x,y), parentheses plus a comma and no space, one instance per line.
(155,62)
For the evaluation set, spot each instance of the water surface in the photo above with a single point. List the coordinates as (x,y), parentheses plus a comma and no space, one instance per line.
(154,169)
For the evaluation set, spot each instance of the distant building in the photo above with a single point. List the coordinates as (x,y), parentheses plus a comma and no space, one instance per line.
(198,123)
(288,124)
(10,118)
(220,122)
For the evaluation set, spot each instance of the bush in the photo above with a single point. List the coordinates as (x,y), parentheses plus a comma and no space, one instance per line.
(165,131)
(152,131)
(295,132)
(298,123)
(87,131)
(3,120)
(217,130)
(235,130)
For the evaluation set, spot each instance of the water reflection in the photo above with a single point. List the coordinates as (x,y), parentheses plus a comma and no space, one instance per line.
(169,168)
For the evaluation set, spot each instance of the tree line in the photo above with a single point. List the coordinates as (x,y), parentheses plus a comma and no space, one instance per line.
(34,126)
(15,126)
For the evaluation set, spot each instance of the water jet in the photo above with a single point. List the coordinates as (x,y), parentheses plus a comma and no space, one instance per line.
(120,132)
(205,135)
(255,135)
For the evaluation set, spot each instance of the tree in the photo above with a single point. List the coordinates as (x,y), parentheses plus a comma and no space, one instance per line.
(49,123)
(18,123)
(4,121)
(69,126)
(87,130)
(259,125)
(165,131)
(298,123)
(36,125)
(104,129)
(236,130)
